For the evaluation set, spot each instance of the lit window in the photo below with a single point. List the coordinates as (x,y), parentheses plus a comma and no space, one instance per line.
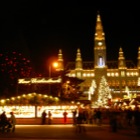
(79,74)
(112,74)
(116,74)
(84,74)
(122,73)
(100,61)
(73,75)
(100,43)
(108,74)
(127,74)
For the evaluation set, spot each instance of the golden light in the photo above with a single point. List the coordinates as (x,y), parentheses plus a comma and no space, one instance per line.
(67,82)
(55,64)
(72,102)
(13,98)
(50,97)
(29,94)
(2,101)
(34,93)
(45,96)
(18,97)
(78,102)
(56,98)
(23,95)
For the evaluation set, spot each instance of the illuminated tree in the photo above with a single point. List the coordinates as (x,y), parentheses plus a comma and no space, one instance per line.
(70,87)
(13,65)
(91,89)
(104,93)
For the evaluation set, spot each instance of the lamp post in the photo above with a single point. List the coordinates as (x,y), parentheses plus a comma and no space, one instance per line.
(50,71)
(54,65)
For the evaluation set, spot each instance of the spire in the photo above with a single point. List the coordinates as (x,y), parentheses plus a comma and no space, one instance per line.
(99,34)
(60,61)
(138,63)
(78,60)
(121,59)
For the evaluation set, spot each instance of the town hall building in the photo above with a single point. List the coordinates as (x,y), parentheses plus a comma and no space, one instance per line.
(122,75)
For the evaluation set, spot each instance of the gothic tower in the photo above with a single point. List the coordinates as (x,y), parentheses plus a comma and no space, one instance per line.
(60,61)
(99,45)
(100,67)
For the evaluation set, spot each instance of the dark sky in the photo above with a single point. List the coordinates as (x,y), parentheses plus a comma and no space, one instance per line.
(40,30)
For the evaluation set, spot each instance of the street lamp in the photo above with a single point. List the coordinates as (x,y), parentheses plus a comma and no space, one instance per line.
(54,65)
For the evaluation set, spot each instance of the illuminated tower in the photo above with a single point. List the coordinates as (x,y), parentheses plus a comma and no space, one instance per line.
(99,45)
(78,60)
(138,59)
(78,64)
(100,68)
(60,61)
(121,60)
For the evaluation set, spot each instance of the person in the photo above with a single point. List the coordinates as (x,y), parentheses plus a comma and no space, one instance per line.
(99,116)
(44,114)
(80,119)
(4,122)
(49,117)
(65,116)
(74,113)
(13,121)
(137,120)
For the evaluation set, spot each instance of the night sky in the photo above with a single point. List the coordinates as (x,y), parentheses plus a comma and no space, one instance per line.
(40,30)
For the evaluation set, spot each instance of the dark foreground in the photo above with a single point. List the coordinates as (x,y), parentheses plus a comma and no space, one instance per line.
(67,132)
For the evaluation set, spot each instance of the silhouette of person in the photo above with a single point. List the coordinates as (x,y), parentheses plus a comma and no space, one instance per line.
(13,121)
(65,116)
(44,115)
(49,117)
(4,121)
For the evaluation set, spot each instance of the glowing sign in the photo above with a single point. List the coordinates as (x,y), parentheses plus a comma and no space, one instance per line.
(39,81)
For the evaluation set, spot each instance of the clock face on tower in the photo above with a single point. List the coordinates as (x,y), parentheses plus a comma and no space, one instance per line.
(100,43)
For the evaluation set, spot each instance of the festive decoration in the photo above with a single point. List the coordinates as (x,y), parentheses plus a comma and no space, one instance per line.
(104,94)
(127,91)
(91,89)
(13,65)
(30,99)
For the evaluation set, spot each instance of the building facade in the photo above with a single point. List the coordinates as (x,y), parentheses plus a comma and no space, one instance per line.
(122,75)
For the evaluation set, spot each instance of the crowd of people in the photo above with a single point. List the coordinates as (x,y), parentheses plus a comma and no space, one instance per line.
(48,116)
(117,118)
